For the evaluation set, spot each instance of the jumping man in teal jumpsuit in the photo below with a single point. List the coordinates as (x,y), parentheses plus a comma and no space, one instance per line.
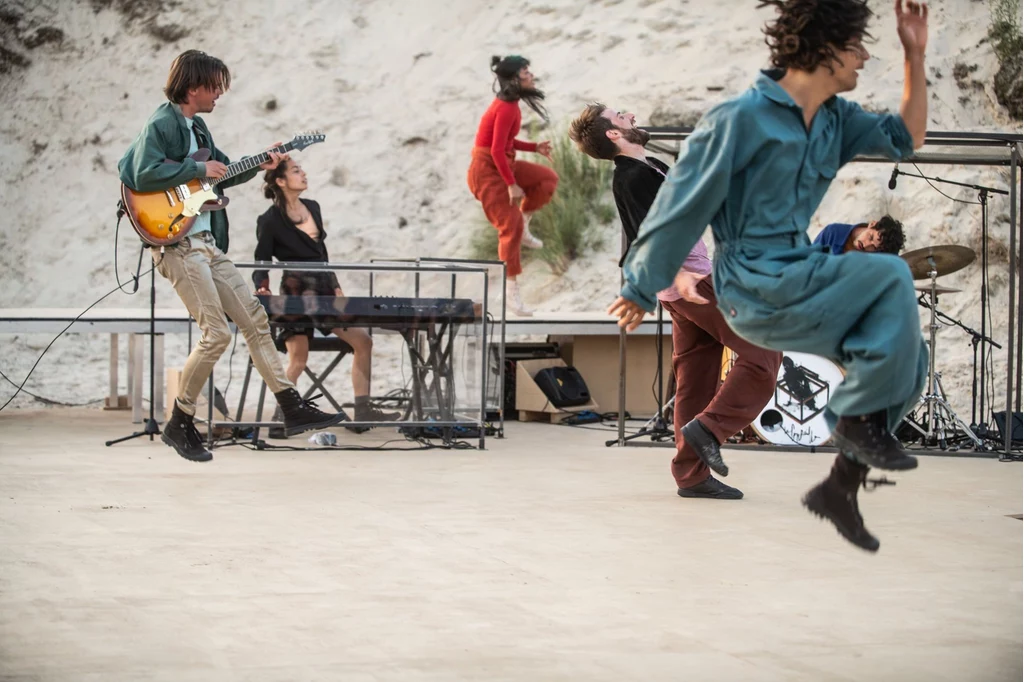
(755,169)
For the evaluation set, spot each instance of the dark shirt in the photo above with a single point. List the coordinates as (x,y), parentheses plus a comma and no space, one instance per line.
(635,184)
(834,236)
(279,238)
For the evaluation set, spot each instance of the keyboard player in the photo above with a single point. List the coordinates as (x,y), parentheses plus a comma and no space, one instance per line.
(292,230)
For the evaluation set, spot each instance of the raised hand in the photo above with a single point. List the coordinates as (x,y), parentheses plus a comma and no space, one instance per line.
(912,26)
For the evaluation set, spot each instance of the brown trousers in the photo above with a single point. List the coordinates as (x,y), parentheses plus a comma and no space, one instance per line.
(537,182)
(699,334)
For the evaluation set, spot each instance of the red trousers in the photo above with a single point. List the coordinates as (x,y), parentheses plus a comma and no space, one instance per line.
(699,333)
(486,184)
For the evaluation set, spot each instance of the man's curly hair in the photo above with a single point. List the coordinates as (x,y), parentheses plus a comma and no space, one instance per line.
(589,132)
(808,33)
(891,237)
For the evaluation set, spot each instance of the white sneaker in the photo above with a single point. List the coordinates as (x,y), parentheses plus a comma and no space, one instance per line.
(529,241)
(514,301)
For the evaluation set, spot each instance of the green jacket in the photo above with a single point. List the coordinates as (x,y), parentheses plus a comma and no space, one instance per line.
(166,136)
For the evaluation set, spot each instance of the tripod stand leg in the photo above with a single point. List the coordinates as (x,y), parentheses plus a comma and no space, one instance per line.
(944,407)
(622,389)
(157,377)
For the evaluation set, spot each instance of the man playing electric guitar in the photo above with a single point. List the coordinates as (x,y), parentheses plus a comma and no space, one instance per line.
(205,279)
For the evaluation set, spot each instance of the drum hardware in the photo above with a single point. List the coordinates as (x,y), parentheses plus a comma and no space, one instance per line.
(983,196)
(938,290)
(943,260)
(973,433)
(941,425)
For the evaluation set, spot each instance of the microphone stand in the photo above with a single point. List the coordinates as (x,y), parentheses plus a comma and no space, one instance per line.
(980,428)
(150,426)
(657,426)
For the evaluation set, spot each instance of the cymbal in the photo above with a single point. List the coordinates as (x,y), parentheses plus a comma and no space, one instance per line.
(947,259)
(927,288)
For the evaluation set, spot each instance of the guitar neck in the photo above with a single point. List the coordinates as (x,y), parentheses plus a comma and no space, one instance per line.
(250,162)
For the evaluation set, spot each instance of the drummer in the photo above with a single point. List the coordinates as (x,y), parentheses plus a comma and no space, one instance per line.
(884,235)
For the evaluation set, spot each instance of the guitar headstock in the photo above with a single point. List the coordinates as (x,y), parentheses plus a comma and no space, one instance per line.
(307,138)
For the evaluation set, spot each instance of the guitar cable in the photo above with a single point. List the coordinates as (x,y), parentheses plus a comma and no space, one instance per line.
(120,287)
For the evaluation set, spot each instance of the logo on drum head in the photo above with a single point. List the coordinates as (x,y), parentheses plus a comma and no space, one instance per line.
(773,422)
(795,414)
(800,393)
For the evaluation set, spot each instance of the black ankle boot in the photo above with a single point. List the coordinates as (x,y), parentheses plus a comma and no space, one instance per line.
(180,433)
(706,446)
(277,432)
(868,439)
(835,499)
(365,411)
(302,415)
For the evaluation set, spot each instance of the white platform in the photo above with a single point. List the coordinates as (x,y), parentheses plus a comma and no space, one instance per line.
(546,558)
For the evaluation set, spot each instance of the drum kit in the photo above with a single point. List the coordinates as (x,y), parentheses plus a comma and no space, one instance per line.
(933,421)
(795,414)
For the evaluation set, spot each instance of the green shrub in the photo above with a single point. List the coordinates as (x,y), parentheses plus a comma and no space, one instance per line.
(1005,30)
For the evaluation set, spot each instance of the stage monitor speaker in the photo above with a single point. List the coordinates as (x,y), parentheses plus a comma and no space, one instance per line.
(1017,433)
(514,352)
(563,386)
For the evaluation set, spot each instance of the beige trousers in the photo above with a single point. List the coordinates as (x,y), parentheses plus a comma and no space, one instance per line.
(211,287)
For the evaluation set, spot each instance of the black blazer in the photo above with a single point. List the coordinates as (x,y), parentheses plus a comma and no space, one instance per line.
(634,185)
(278,238)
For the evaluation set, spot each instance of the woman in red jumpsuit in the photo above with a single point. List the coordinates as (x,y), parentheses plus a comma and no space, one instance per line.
(510,190)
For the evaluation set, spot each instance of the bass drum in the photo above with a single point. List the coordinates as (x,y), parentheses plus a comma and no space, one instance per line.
(795,415)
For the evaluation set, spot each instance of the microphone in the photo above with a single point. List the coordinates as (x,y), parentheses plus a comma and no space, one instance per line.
(892,178)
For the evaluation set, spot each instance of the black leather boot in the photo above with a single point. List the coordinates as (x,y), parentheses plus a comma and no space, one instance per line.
(180,433)
(277,432)
(365,411)
(706,446)
(303,415)
(835,499)
(868,439)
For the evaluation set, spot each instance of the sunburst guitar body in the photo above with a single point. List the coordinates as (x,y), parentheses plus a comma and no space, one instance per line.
(165,217)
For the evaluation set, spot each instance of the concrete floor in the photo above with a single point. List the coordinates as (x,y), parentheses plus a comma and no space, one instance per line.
(547,557)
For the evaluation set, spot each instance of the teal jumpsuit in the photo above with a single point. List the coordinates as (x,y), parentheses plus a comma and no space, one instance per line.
(754,172)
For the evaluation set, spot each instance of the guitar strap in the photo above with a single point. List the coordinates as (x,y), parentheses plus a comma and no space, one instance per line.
(201,140)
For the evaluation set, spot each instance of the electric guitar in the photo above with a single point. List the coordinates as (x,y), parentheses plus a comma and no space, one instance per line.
(164,218)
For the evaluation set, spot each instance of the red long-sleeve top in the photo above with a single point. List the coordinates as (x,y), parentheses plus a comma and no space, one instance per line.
(498,129)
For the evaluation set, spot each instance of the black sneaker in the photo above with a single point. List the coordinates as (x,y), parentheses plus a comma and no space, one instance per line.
(871,443)
(303,415)
(180,433)
(835,499)
(712,488)
(706,446)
